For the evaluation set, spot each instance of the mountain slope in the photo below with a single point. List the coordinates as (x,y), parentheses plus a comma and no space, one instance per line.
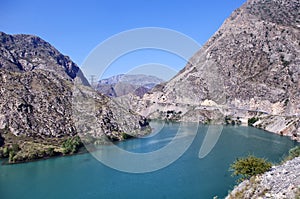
(249,68)
(37,108)
(281,181)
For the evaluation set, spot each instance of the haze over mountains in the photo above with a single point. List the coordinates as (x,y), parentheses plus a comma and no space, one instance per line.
(124,84)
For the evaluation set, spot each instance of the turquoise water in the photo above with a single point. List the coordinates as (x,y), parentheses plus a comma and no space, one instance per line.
(83,177)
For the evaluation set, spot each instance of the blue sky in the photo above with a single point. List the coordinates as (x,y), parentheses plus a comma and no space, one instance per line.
(76,27)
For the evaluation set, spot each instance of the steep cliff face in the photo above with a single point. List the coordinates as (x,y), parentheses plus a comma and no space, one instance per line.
(37,86)
(35,103)
(250,67)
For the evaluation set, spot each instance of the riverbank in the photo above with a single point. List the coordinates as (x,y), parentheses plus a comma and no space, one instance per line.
(27,149)
(188,172)
(281,182)
(81,150)
(277,122)
(23,149)
(33,149)
(282,125)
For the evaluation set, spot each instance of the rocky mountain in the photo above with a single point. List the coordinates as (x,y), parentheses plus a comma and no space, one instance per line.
(22,53)
(249,68)
(38,112)
(120,85)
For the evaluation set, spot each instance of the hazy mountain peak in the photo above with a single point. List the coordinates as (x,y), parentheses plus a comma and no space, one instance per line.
(124,84)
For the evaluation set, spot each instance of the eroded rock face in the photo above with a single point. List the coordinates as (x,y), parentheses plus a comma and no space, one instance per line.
(252,63)
(281,182)
(21,53)
(95,116)
(39,104)
(37,101)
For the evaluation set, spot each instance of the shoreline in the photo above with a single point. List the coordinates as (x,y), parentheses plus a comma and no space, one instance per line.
(81,150)
(84,150)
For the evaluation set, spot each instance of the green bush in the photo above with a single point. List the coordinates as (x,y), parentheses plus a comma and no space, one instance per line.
(126,136)
(249,166)
(12,152)
(50,151)
(252,120)
(11,156)
(9,152)
(227,119)
(5,151)
(71,145)
(15,147)
(293,153)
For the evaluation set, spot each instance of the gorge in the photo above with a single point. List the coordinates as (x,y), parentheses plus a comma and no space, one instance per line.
(247,73)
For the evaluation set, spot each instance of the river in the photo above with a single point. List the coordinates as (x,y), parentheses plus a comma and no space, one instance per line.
(84,177)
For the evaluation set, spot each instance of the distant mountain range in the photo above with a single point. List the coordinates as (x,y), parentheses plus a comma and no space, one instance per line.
(124,84)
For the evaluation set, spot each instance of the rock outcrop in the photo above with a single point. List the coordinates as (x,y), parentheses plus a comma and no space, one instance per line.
(22,53)
(249,68)
(282,182)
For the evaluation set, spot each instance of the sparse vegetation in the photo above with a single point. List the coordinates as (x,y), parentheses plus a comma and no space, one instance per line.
(252,120)
(238,121)
(297,194)
(227,120)
(33,148)
(5,152)
(293,153)
(11,156)
(286,102)
(252,184)
(71,145)
(231,121)
(208,121)
(249,166)
(126,136)
(12,151)
(284,62)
